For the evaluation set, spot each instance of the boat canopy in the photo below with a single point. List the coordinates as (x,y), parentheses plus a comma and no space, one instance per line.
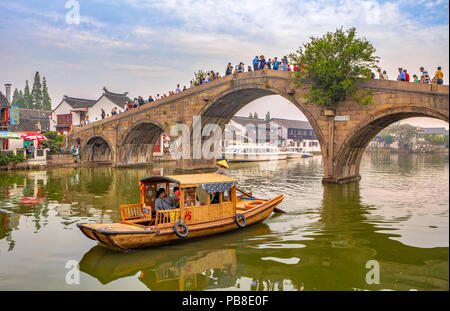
(192,179)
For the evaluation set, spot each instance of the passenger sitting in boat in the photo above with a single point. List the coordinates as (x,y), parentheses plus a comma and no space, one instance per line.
(215,198)
(160,202)
(174,201)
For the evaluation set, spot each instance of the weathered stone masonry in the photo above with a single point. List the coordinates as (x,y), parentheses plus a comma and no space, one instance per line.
(128,138)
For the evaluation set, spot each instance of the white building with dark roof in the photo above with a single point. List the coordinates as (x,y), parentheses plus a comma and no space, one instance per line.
(79,111)
(297,133)
(70,112)
(108,101)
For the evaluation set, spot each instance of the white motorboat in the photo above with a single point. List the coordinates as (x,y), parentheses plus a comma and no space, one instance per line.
(253,153)
(296,152)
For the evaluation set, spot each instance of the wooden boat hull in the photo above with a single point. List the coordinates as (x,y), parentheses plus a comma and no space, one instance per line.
(127,236)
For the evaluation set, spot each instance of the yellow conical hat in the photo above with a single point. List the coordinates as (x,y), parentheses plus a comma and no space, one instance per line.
(223,163)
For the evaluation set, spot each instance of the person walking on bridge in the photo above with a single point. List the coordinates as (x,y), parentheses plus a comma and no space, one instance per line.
(255,63)
(439,76)
(424,78)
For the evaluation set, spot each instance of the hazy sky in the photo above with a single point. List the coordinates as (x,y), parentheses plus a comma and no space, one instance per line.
(147,47)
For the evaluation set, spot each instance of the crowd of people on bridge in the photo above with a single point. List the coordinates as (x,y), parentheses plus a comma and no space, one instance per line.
(423,76)
(260,63)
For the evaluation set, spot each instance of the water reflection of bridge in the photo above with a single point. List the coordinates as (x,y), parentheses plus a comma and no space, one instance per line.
(334,258)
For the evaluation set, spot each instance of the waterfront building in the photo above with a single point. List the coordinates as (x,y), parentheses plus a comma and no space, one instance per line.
(70,112)
(74,111)
(25,120)
(253,131)
(296,133)
(288,133)
(108,101)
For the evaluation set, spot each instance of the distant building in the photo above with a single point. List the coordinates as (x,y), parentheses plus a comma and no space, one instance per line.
(297,133)
(70,112)
(29,120)
(4,110)
(441,131)
(79,111)
(107,102)
(252,131)
(278,132)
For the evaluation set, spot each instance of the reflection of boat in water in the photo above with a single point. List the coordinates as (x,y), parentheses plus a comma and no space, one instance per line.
(107,265)
(253,153)
(197,272)
(207,205)
(163,270)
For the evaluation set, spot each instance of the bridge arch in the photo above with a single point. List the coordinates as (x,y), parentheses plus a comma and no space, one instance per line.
(349,155)
(139,141)
(98,149)
(222,107)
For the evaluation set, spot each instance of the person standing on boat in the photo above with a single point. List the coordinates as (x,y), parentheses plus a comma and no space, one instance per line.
(160,203)
(223,168)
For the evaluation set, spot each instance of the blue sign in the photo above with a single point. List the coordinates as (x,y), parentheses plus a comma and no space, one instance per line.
(14,115)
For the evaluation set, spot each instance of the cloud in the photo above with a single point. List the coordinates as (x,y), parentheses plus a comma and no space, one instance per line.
(149,46)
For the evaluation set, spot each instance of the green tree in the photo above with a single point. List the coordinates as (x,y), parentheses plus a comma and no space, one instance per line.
(54,142)
(403,133)
(387,138)
(28,103)
(21,102)
(250,116)
(46,100)
(15,98)
(200,74)
(255,115)
(436,139)
(36,93)
(267,116)
(333,65)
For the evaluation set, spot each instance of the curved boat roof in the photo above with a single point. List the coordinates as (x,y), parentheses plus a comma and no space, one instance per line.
(191,179)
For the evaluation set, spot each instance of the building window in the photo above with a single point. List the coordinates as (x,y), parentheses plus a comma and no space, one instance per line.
(64,119)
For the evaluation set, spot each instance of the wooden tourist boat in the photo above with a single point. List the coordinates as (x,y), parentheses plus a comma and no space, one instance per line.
(215,209)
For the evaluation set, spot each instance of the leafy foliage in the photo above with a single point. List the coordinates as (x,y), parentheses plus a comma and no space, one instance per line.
(334,64)
(198,76)
(36,93)
(38,98)
(5,159)
(437,139)
(55,141)
(402,133)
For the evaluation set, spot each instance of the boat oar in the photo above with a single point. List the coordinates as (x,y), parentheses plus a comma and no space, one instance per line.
(276,209)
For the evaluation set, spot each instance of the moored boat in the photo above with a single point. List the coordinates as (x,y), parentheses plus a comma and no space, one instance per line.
(296,152)
(206,204)
(253,153)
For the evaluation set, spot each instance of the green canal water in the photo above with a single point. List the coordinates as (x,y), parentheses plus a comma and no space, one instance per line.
(395,221)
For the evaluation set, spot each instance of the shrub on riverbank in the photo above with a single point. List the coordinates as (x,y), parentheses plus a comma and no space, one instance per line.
(5,159)
(54,142)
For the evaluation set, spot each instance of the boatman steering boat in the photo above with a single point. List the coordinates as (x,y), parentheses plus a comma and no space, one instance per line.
(223,167)
(207,205)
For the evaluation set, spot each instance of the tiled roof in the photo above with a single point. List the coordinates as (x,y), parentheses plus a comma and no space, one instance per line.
(3,101)
(79,102)
(29,120)
(293,124)
(244,121)
(434,130)
(117,98)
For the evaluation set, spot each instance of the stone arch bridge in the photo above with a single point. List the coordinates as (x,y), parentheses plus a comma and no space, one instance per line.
(343,133)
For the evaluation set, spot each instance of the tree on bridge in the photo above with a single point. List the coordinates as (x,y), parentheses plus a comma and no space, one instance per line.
(334,64)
